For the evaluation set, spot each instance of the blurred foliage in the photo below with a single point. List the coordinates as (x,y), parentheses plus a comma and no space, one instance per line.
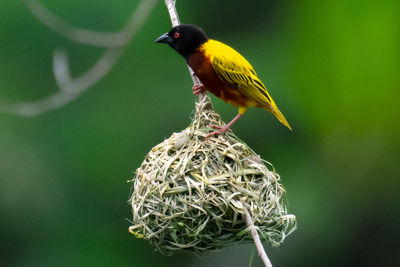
(332,67)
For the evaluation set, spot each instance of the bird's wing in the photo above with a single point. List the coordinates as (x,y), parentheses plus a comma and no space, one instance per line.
(233,68)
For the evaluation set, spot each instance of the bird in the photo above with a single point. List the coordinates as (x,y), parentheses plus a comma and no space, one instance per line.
(222,71)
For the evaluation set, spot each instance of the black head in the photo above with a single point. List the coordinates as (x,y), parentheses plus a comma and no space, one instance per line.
(184,38)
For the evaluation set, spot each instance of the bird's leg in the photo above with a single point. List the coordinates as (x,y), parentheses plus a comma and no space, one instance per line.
(198,89)
(225,128)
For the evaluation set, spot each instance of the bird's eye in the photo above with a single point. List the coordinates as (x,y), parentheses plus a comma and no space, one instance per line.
(176,35)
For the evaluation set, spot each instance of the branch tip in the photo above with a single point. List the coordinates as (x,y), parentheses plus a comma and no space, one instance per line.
(256,237)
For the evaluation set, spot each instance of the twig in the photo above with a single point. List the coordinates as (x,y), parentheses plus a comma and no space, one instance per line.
(61,70)
(79,35)
(70,91)
(70,88)
(256,237)
(175,21)
(173,14)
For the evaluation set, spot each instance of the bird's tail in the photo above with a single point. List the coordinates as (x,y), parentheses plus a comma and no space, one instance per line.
(278,114)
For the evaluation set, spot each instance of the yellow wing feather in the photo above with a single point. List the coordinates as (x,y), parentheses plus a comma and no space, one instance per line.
(232,68)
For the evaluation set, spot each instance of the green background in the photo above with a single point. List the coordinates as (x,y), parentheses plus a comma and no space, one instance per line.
(331,66)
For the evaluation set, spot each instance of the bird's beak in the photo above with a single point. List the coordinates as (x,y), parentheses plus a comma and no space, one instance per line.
(164,39)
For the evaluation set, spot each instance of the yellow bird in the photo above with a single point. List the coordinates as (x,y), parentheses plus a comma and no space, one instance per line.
(222,71)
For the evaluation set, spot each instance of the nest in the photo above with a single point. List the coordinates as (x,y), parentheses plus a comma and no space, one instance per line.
(189,192)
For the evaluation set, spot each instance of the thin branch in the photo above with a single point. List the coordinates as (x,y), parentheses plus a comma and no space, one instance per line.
(70,91)
(70,88)
(256,237)
(173,14)
(79,35)
(61,70)
(254,234)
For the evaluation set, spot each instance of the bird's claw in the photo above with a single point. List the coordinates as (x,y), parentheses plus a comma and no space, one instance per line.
(198,89)
(220,130)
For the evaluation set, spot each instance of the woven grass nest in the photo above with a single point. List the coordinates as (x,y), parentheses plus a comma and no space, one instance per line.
(189,192)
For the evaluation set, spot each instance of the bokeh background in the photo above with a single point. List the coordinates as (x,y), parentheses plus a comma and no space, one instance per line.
(332,67)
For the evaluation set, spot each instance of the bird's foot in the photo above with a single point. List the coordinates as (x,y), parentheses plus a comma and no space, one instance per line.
(198,89)
(228,128)
(221,130)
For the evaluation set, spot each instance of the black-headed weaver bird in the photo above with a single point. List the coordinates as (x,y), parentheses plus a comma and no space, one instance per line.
(222,71)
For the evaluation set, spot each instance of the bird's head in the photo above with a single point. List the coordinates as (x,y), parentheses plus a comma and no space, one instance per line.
(184,38)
